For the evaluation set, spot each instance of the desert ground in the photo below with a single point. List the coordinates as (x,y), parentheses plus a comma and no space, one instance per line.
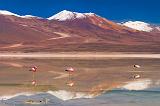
(94,72)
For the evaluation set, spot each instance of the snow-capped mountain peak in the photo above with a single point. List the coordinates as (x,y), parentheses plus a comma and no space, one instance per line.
(138,25)
(68,15)
(61,16)
(4,12)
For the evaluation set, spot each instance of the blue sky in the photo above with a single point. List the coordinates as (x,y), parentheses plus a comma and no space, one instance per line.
(116,10)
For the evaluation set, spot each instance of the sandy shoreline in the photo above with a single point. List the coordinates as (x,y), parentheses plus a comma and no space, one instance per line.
(78,55)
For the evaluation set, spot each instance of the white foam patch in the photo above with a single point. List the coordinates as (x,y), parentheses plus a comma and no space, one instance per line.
(138,85)
(12,96)
(61,94)
(157,83)
(66,95)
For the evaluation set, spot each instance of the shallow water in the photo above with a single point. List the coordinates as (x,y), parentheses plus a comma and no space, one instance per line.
(92,78)
(150,97)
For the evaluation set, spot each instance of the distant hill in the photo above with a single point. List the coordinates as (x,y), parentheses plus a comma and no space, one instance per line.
(72,31)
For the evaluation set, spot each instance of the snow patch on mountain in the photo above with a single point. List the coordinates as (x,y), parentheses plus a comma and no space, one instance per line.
(90,14)
(158,28)
(61,16)
(138,25)
(68,15)
(30,16)
(4,12)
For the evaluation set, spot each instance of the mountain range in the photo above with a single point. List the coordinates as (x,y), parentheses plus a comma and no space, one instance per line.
(73,31)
